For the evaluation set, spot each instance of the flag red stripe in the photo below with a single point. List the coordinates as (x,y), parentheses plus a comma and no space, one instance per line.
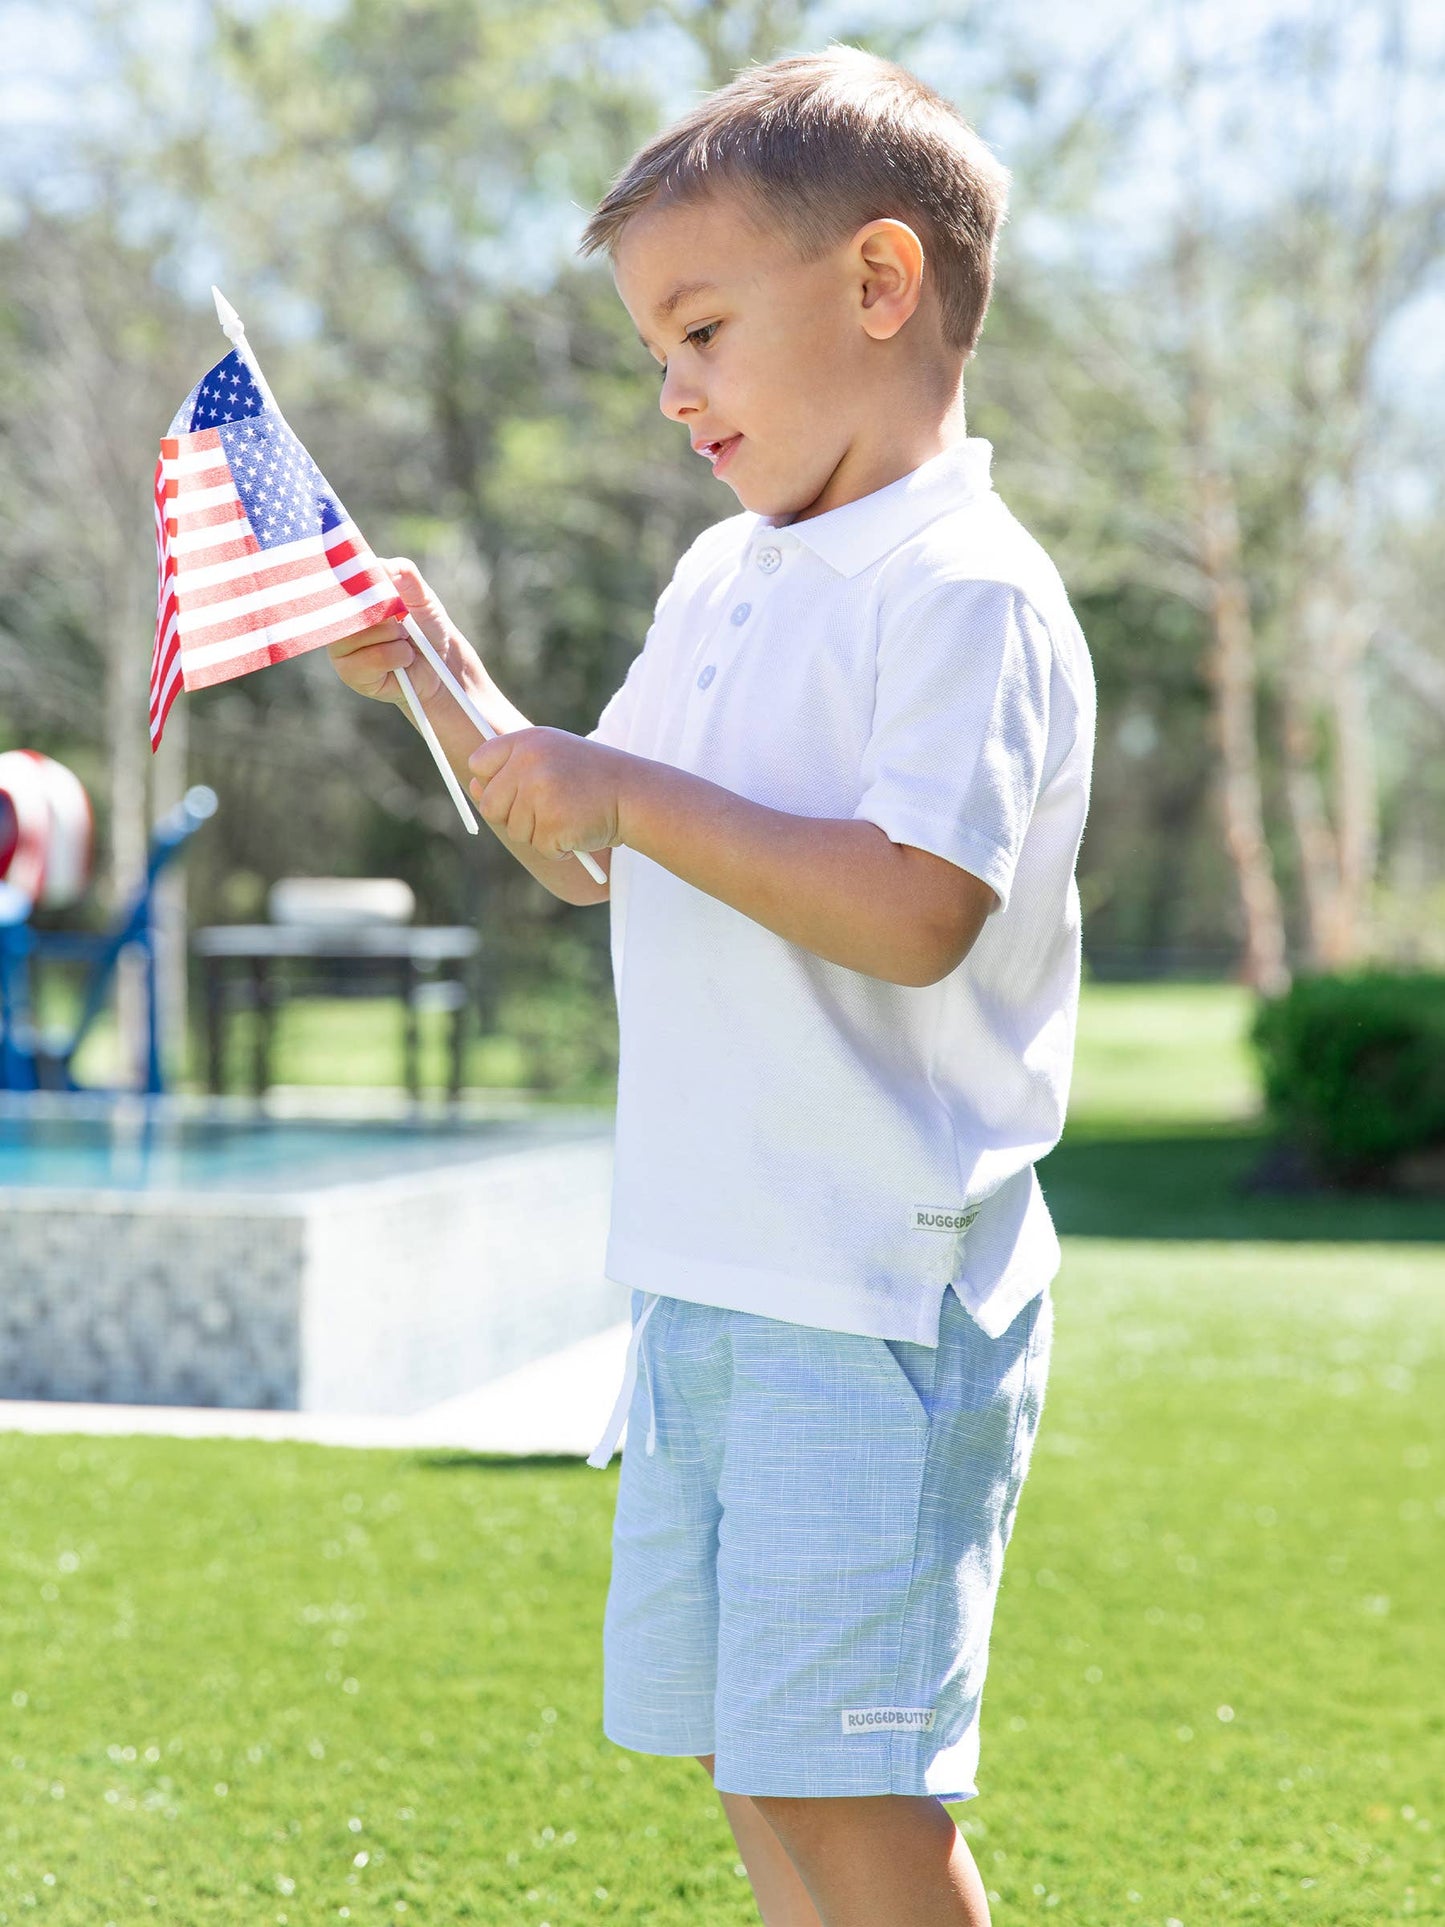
(168,681)
(216,476)
(276,573)
(323,597)
(164,682)
(231,551)
(198,442)
(158,724)
(191,521)
(261,657)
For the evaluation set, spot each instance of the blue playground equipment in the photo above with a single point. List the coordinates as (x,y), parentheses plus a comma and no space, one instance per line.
(32,840)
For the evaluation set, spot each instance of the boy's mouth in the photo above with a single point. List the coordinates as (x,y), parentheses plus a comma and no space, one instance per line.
(717,452)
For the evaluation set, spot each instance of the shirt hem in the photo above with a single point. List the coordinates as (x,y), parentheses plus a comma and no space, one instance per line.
(996,1310)
(1033,1261)
(774,1294)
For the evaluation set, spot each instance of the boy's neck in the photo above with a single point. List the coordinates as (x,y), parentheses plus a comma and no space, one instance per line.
(902,446)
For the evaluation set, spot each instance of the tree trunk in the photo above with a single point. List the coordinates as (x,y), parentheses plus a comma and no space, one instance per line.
(1231,661)
(1357,818)
(1314,833)
(126,754)
(1233,680)
(1335,814)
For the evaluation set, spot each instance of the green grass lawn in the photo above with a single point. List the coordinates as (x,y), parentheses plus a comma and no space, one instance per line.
(251,1683)
(333,1041)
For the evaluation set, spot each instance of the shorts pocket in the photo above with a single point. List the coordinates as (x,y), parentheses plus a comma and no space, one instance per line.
(1031,1404)
(915,1367)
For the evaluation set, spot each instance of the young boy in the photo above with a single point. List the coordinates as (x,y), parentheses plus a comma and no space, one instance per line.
(839,797)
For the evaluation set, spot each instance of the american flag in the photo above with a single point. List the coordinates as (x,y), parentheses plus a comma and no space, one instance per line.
(257,560)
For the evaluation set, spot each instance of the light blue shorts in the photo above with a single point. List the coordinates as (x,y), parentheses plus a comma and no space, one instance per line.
(805,1563)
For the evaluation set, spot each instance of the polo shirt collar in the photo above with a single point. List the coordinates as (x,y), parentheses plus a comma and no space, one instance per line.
(852,538)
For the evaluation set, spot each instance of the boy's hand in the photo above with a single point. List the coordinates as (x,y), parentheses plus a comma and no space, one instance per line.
(549,790)
(366,662)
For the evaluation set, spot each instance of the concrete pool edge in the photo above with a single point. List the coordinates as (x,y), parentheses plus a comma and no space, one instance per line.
(554,1406)
(383,1295)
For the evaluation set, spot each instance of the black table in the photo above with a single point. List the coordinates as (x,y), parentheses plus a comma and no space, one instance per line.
(257,964)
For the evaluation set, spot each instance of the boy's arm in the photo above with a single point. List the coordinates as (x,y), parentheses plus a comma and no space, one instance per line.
(839,888)
(949,778)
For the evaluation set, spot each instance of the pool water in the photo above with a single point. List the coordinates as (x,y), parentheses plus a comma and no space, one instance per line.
(146,1152)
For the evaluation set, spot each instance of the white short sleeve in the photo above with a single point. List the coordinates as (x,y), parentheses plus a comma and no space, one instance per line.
(960,730)
(614,725)
(617,723)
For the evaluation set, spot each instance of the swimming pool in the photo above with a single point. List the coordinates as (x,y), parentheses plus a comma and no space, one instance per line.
(155,1255)
(149,1149)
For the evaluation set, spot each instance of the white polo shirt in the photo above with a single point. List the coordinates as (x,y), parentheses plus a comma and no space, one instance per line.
(795,1138)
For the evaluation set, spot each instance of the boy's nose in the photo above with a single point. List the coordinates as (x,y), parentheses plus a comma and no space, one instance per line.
(679,397)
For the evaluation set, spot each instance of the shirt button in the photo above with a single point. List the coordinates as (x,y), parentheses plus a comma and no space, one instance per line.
(707,675)
(740,615)
(768,560)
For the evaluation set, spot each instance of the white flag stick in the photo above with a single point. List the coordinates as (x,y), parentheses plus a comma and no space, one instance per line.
(438,754)
(235,332)
(414,630)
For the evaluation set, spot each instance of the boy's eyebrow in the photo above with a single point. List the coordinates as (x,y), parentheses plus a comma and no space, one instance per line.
(682,292)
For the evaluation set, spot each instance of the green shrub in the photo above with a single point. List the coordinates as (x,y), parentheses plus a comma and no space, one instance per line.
(1354,1067)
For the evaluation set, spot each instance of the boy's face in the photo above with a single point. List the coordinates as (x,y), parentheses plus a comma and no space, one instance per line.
(763,353)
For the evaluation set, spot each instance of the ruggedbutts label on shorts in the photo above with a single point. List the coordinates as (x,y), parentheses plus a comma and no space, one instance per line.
(868,1719)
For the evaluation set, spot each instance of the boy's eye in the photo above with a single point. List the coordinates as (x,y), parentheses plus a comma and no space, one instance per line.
(699,337)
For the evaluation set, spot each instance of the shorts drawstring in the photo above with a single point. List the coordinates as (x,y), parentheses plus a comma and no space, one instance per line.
(601,1454)
(646,1366)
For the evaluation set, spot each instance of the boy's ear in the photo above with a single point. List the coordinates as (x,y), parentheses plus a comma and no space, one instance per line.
(888,258)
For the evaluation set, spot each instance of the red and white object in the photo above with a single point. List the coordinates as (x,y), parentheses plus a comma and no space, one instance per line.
(257,561)
(46,829)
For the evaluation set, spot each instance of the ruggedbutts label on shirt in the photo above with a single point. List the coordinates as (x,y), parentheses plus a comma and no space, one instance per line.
(869,1718)
(943,1217)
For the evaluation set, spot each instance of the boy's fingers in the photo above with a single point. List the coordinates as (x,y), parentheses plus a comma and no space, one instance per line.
(420,599)
(387,631)
(372,658)
(494,800)
(415,592)
(488,757)
(368,668)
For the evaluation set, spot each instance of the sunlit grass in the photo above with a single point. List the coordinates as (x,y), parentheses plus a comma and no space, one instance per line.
(229,1670)
(358,1042)
(342,1043)
(1152,1054)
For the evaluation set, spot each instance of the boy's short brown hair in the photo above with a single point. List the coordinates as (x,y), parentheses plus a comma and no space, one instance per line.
(821,144)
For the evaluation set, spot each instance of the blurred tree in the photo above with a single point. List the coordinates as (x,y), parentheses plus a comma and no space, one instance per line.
(1357,246)
(1190,352)
(1219,550)
(390,195)
(85,374)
